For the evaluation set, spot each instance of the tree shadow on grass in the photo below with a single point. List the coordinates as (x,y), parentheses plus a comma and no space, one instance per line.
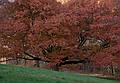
(1,77)
(109,78)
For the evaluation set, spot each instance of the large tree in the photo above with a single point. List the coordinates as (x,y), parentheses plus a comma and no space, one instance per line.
(25,19)
(42,32)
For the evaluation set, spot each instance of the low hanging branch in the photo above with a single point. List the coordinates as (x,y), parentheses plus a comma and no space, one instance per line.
(33,57)
(72,62)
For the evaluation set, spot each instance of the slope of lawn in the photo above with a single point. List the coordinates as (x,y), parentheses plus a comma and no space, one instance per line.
(13,74)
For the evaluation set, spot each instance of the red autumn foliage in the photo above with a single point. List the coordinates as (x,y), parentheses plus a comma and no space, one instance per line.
(78,31)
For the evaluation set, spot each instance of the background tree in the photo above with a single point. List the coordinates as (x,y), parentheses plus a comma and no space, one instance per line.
(101,18)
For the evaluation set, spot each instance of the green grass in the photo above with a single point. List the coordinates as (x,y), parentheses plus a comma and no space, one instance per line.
(13,74)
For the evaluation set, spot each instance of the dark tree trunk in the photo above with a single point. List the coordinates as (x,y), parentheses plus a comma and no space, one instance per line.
(56,67)
(112,69)
(37,63)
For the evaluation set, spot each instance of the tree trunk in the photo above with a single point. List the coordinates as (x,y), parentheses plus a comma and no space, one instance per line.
(55,67)
(37,63)
(112,69)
